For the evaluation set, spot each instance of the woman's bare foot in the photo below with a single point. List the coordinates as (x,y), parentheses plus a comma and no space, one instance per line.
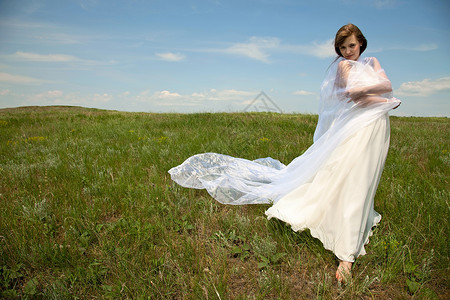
(344,271)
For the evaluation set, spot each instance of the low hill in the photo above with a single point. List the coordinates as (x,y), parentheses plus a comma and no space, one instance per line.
(89,210)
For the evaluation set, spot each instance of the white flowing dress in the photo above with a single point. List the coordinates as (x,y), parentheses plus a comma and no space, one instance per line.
(330,188)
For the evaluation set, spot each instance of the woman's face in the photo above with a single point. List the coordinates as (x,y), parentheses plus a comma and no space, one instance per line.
(350,48)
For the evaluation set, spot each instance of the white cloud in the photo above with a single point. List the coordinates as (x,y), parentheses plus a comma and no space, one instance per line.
(379,4)
(303,93)
(261,48)
(44,32)
(88,4)
(101,98)
(59,38)
(425,47)
(224,95)
(425,87)
(169,56)
(166,98)
(255,48)
(48,97)
(166,95)
(19,79)
(55,93)
(160,98)
(42,57)
(384,3)
(55,58)
(420,48)
(58,97)
(323,49)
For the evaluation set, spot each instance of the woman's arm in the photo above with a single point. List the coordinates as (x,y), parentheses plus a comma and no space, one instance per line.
(377,89)
(366,100)
(342,73)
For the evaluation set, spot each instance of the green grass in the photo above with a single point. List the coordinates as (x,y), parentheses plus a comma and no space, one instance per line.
(88,210)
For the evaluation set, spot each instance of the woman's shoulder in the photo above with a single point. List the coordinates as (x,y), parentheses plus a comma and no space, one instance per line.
(370,59)
(373,62)
(345,64)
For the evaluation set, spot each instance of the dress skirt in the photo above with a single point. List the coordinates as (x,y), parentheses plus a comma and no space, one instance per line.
(337,203)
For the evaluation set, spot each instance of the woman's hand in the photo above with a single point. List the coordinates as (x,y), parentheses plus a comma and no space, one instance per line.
(355,94)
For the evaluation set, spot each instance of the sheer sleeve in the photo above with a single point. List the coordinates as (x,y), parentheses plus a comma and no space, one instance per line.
(383,85)
(342,73)
(351,89)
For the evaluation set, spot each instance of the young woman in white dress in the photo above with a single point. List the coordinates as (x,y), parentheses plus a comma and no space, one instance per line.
(331,187)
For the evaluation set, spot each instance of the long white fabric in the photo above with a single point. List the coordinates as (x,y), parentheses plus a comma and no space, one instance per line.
(330,188)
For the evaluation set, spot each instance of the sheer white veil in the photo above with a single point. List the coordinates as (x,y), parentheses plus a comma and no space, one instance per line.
(239,181)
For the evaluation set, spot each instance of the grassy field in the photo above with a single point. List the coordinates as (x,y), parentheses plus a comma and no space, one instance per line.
(88,210)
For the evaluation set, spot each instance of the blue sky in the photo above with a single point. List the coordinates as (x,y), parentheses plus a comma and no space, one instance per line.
(214,55)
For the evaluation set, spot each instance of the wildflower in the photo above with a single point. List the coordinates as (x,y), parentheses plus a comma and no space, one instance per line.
(35,139)
(3,123)
(264,139)
(27,140)
(162,139)
(131,131)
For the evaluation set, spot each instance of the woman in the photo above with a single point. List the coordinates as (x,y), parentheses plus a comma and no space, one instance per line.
(330,188)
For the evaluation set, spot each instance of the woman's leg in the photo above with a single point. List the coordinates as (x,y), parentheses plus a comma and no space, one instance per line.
(344,271)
